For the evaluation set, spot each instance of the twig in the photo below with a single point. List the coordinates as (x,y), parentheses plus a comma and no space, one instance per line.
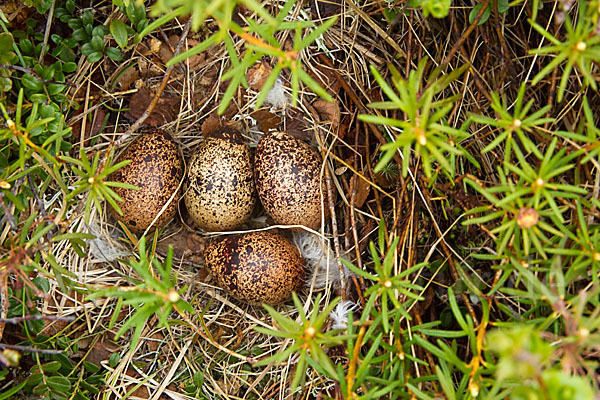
(36,196)
(32,72)
(31,349)
(353,193)
(160,90)
(47,33)
(334,230)
(17,68)
(467,32)
(7,213)
(35,317)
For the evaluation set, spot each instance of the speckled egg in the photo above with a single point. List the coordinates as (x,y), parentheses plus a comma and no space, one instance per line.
(157,169)
(287,176)
(257,267)
(220,193)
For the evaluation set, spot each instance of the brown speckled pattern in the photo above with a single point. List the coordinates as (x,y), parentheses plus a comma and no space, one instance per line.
(220,192)
(286,173)
(156,168)
(256,267)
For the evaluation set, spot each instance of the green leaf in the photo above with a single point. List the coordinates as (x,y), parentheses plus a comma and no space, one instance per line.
(52,366)
(5,83)
(503,6)
(14,390)
(97,43)
(94,57)
(59,384)
(69,67)
(54,88)
(31,82)
(475,11)
(418,393)
(91,367)
(26,46)
(87,18)
(118,30)
(113,53)
(73,235)
(79,35)
(6,42)
(437,8)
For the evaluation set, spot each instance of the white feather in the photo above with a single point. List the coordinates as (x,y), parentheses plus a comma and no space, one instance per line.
(105,247)
(277,97)
(321,261)
(339,315)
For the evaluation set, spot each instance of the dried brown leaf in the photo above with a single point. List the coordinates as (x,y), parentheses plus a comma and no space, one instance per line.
(154,45)
(329,112)
(363,188)
(16,13)
(101,351)
(154,342)
(194,62)
(266,120)
(93,125)
(184,244)
(297,125)
(165,111)
(210,125)
(325,8)
(257,75)
(164,52)
(127,78)
(142,392)
(327,79)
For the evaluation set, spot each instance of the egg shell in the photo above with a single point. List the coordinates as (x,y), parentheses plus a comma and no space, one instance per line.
(220,193)
(256,267)
(156,168)
(287,175)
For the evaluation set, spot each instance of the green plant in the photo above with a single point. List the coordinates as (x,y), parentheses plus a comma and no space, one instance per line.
(436,8)
(587,133)
(526,201)
(93,179)
(501,6)
(309,340)
(92,36)
(136,13)
(581,48)
(388,283)
(154,294)
(378,321)
(260,41)
(7,57)
(425,129)
(516,122)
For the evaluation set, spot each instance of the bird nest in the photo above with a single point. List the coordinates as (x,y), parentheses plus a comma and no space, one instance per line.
(218,344)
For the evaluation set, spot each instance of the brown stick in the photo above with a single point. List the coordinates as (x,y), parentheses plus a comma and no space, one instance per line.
(334,230)
(446,250)
(136,125)
(466,34)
